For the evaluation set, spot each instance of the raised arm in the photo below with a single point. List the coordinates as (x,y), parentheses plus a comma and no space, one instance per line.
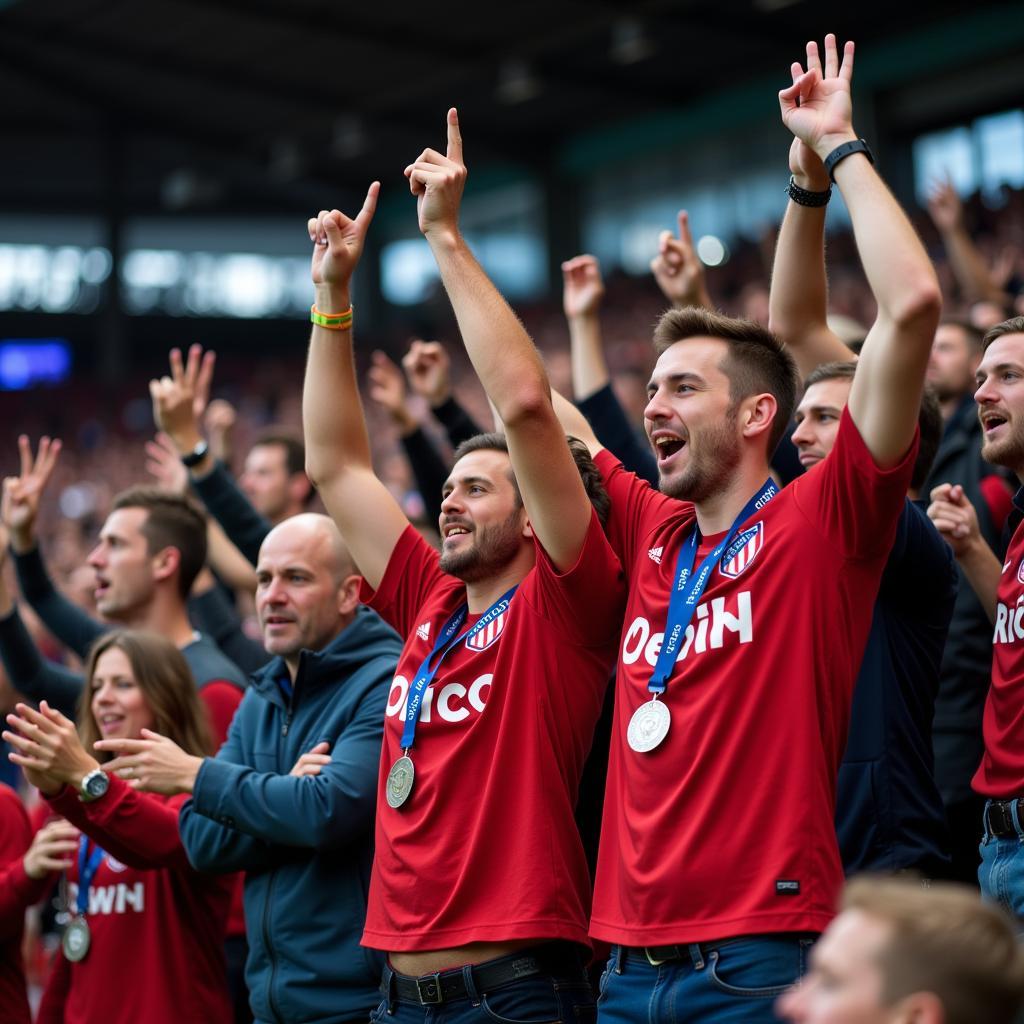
(798,300)
(969,269)
(582,293)
(886,394)
(505,360)
(428,369)
(338,459)
(678,269)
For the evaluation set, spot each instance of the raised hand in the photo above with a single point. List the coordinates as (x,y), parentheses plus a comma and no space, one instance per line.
(944,207)
(179,400)
(677,268)
(53,849)
(437,182)
(220,423)
(313,761)
(154,763)
(817,108)
(19,508)
(428,368)
(47,748)
(387,389)
(582,287)
(338,243)
(164,464)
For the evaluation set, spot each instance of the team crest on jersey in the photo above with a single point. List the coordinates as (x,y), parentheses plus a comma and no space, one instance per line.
(1020,571)
(488,635)
(742,551)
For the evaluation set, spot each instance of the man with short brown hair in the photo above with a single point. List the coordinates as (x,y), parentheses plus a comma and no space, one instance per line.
(900,952)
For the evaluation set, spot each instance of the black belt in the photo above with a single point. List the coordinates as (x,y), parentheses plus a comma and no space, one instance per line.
(999,818)
(657,955)
(441,987)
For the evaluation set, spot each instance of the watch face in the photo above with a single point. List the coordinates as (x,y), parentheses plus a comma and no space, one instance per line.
(96,784)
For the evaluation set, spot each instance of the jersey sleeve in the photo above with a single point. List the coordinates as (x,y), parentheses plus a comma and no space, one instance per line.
(412,575)
(221,700)
(587,602)
(850,500)
(636,508)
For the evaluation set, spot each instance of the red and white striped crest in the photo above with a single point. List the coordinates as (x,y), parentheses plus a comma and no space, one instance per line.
(742,551)
(482,640)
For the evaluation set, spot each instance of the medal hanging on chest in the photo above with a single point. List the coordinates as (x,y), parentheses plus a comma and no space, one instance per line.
(77,937)
(650,723)
(402,776)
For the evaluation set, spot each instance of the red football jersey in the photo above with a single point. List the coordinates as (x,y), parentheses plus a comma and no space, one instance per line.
(727,827)
(157,925)
(1001,772)
(486,849)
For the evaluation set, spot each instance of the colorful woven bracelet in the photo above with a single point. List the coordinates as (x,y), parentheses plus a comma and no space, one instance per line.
(331,321)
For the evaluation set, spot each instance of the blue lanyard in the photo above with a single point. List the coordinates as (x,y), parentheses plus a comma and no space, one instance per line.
(687,592)
(88,864)
(425,674)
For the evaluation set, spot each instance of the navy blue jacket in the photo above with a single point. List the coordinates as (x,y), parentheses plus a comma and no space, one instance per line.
(305,844)
(889,814)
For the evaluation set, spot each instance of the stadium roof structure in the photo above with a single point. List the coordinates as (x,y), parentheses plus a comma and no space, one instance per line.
(224,106)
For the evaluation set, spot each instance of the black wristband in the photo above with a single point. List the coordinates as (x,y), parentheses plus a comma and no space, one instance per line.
(845,150)
(194,457)
(805,197)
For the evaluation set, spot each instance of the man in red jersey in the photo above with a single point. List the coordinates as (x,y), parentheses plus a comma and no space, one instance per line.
(718,861)
(480,890)
(1000,776)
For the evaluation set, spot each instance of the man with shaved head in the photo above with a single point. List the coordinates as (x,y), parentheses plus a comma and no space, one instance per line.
(290,797)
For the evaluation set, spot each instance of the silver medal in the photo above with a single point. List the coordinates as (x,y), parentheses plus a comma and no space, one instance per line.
(400,780)
(76,940)
(648,726)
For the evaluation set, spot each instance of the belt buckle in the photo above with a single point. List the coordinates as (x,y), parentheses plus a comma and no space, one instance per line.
(651,960)
(428,989)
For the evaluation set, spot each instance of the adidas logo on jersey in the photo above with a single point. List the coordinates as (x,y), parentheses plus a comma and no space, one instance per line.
(654,554)
(423,630)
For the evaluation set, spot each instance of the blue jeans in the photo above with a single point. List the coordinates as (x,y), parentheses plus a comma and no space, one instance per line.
(539,999)
(1001,873)
(725,982)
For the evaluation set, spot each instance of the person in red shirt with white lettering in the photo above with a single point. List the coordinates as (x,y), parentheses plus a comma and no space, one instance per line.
(1000,587)
(480,889)
(146,939)
(718,861)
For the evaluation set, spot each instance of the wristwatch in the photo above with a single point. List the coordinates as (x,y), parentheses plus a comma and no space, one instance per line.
(93,786)
(194,457)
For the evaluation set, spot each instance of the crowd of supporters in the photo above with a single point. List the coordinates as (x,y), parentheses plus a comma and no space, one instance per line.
(306,663)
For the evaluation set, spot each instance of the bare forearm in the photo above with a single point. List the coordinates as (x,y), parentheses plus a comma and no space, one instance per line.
(798,301)
(589,368)
(332,412)
(969,268)
(502,354)
(897,267)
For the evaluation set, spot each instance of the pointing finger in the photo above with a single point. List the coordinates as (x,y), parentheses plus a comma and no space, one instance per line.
(454,137)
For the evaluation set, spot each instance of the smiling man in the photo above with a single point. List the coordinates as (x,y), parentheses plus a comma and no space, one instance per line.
(480,886)
(747,616)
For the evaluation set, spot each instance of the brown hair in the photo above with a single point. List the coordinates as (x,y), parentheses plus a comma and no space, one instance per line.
(162,674)
(1015,325)
(944,940)
(929,420)
(294,455)
(589,473)
(757,361)
(971,333)
(174,521)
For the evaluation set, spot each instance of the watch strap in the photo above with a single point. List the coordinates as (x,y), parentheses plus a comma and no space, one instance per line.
(843,151)
(194,457)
